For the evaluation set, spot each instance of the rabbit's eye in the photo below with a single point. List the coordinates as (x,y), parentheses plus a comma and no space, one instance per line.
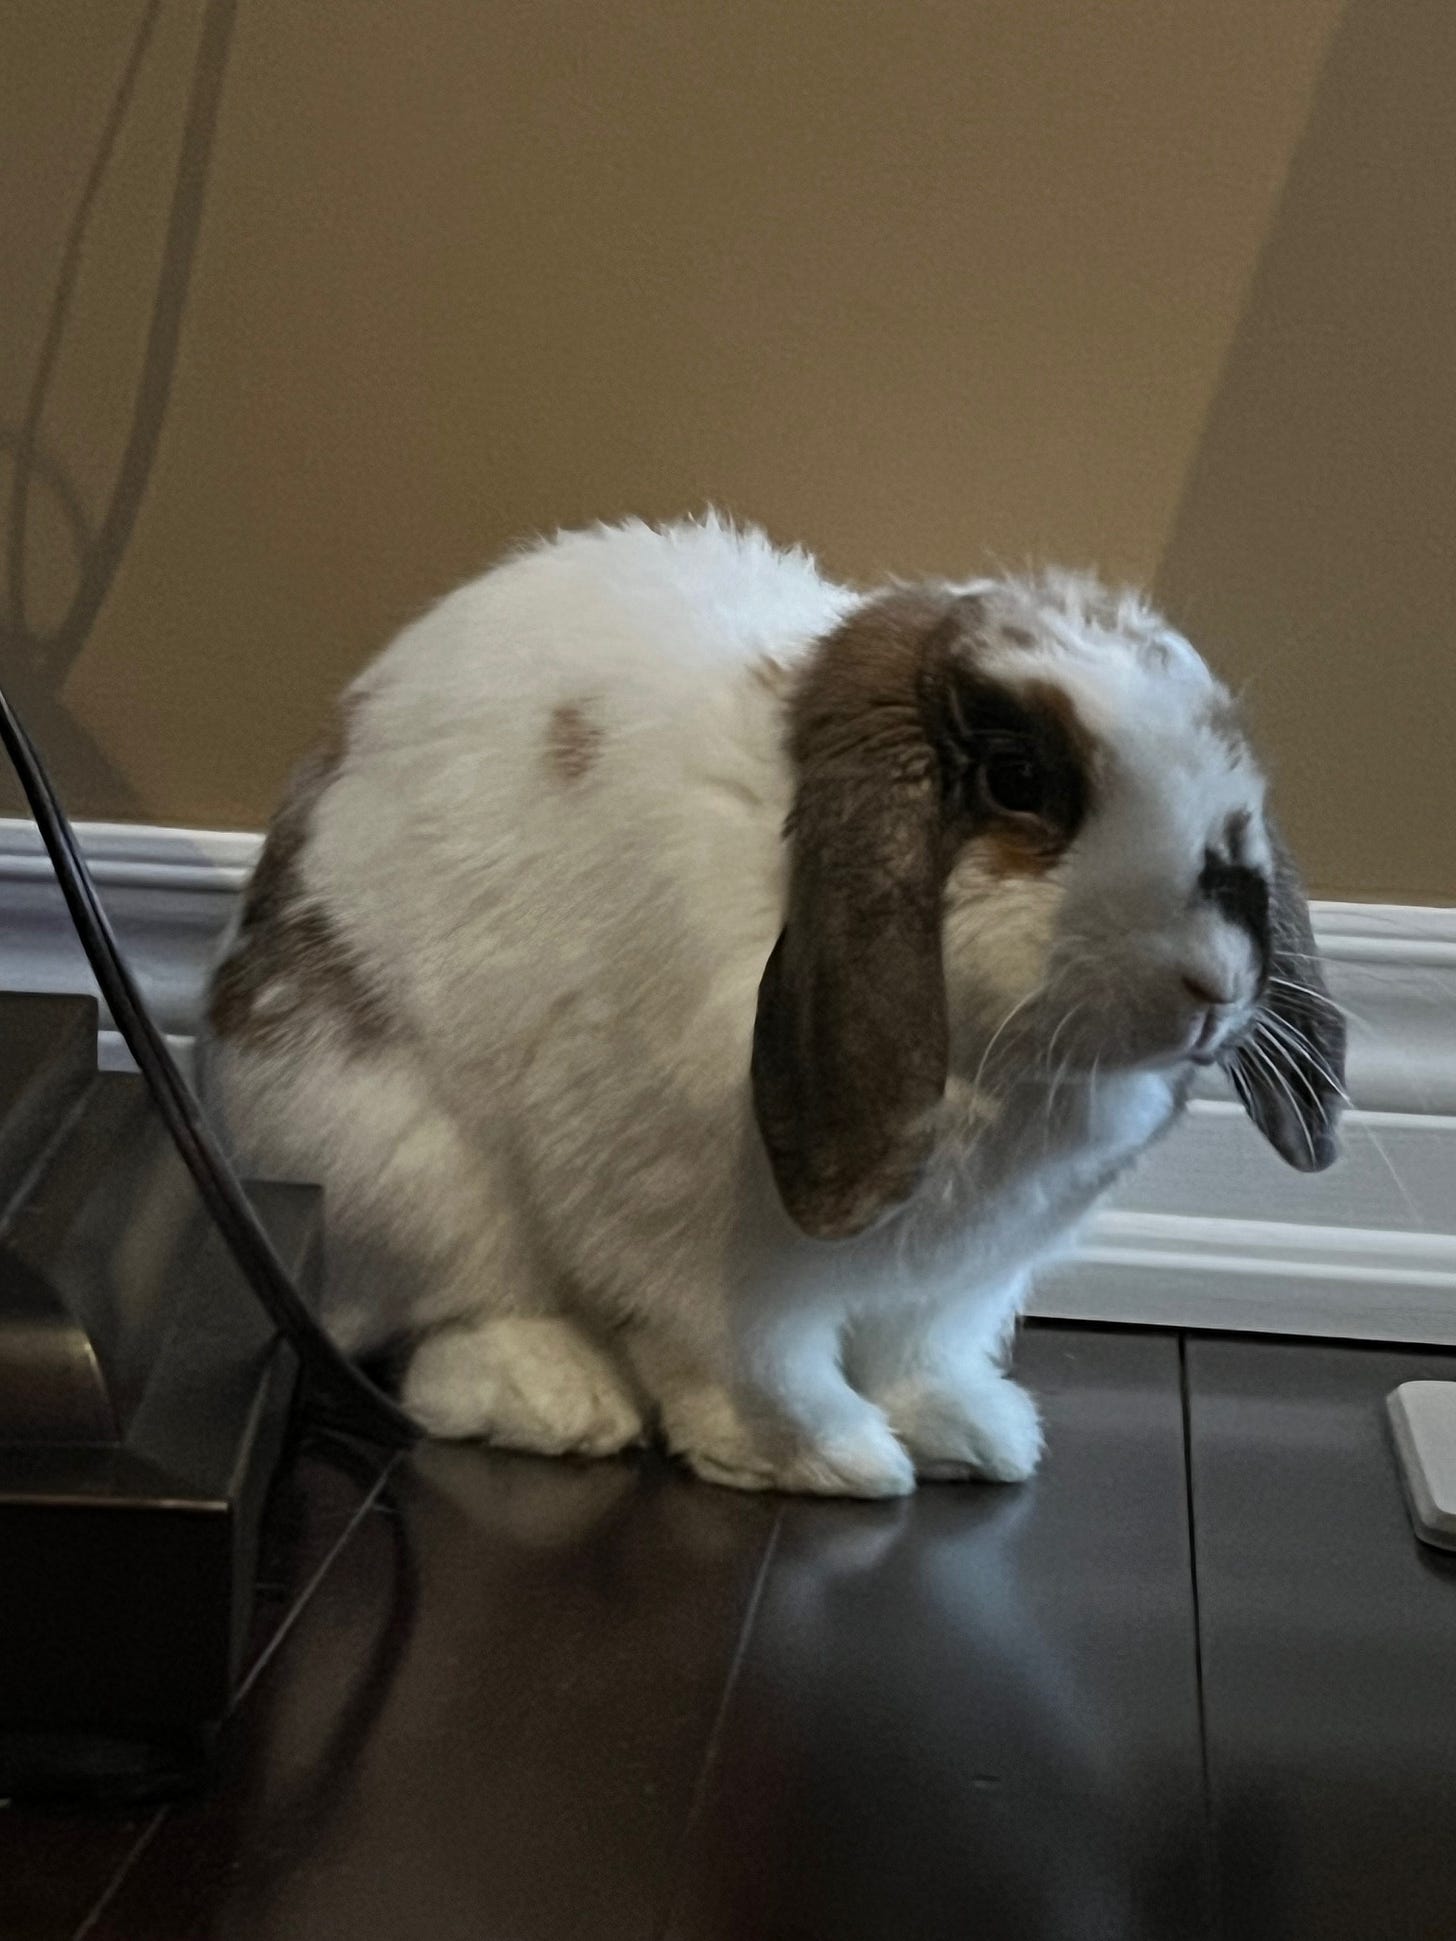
(1014,781)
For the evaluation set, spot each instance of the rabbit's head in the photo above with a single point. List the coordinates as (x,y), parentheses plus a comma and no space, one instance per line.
(1028,837)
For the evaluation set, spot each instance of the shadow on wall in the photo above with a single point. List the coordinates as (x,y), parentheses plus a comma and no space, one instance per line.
(37,658)
(1313,542)
(1308,551)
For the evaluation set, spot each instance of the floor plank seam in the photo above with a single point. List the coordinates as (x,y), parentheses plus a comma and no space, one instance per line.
(266,1655)
(678,1870)
(114,1886)
(154,1825)
(1210,1876)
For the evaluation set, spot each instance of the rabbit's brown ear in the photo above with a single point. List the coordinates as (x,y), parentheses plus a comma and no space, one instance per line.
(1291,1077)
(850,1046)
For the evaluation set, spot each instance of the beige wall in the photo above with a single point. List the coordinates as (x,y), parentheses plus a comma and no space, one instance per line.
(1164,285)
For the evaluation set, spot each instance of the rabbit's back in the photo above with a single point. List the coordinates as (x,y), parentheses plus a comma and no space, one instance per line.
(568,779)
(516,913)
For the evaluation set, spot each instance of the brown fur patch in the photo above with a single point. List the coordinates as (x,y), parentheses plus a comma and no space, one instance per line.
(851,1035)
(1034,847)
(286,945)
(1007,852)
(1059,709)
(870,681)
(1236,831)
(771,675)
(892,723)
(1221,721)
(573,742)
(1016,636)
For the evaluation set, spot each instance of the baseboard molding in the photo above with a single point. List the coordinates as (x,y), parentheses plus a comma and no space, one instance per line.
(1264,1276)
(1211,1232)
(169,894)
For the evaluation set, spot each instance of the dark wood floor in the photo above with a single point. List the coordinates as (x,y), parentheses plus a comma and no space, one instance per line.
(1197,1679)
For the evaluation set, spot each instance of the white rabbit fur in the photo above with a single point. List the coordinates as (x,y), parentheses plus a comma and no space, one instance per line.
(498,996)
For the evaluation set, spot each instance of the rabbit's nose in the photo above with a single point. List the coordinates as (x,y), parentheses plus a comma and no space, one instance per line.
(1206,987)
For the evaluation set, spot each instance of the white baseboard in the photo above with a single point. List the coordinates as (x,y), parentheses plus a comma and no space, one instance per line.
(1268,1276)
(169,894)
(1211,1231)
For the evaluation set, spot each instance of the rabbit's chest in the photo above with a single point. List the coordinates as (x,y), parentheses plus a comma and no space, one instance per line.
(1115,1120)
(1062,1152)
(1015,1188)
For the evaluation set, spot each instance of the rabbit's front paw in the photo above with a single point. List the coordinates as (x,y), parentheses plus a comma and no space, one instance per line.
(982,1426)
(865,1461)
(857,1456)
(522,1382)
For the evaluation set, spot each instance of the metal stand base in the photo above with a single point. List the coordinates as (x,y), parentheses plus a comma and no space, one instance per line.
(143,1404)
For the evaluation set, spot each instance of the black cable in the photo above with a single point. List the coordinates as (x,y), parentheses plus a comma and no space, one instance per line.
(361,1407)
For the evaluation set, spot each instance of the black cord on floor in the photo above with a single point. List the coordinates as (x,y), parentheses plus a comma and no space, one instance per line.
(357,1404)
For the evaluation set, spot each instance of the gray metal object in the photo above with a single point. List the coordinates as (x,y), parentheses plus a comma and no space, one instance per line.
(1423,1425)
(143,1403)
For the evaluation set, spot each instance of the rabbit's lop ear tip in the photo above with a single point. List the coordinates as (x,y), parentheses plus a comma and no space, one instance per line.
(1305,1137)
(1308,1150)
(1295,1096)
(1324,1151)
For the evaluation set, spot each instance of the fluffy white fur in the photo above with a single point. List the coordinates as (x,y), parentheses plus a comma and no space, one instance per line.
(548,1177)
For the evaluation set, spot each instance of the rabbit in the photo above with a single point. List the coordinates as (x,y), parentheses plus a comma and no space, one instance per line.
(705,992)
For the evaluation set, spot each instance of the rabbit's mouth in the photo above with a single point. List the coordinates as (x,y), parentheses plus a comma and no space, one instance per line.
(1217,1036)
(1228,1049)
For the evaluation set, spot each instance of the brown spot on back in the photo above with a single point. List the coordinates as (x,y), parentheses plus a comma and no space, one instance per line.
(1017,636)
(288,964)
(573,742)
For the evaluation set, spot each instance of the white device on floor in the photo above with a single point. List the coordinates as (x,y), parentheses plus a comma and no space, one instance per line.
(1423,1420)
